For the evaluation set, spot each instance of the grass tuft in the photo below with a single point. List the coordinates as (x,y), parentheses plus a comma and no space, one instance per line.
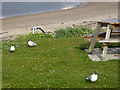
(73,32)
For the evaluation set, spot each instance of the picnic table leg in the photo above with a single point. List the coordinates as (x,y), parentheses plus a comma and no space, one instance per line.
(111,32)
(108,32)
(105,45)
(93,41)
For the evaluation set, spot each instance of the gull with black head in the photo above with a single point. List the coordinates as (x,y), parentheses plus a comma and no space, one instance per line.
(12,48)
(92,78)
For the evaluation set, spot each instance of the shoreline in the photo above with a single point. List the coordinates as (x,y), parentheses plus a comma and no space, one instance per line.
(32,13)
(50,21)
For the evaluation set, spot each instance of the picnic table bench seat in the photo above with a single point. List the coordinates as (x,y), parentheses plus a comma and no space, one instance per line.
(110,41)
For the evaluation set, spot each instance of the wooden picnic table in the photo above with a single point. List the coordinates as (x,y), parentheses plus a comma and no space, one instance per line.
(110,24)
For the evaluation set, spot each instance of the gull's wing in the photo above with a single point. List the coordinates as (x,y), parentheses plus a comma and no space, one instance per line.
(41,30)
(89,78)
(33,43)
(12,48)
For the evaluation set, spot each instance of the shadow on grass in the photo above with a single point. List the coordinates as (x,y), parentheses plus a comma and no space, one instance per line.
(86,45)
(114,45)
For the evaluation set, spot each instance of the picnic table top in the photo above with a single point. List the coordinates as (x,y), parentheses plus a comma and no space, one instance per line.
(110,21)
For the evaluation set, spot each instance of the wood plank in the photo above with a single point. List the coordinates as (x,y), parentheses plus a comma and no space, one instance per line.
(104,52)
(115,31)
(100,34)
(110,41)
(111,21)
(94,39)
(108,32)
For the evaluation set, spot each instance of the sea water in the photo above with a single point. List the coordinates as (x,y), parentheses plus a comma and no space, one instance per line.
(11,9)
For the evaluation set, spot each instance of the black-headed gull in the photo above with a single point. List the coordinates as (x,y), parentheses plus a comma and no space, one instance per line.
(34,28)
(12,48)
(92,78)
(30,43)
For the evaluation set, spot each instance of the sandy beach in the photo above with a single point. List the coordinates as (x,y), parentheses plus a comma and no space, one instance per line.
(50,21)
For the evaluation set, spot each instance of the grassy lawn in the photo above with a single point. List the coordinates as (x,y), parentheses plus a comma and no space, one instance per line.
(54,63)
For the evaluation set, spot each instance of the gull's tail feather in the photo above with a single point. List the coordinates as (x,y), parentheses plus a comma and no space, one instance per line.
(35,44)
(88,78)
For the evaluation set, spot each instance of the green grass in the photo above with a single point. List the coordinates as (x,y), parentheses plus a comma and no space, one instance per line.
(73,32)
(53,63)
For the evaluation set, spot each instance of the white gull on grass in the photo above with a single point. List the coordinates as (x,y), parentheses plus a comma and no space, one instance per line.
(30,43)
(12,48)
(92,78)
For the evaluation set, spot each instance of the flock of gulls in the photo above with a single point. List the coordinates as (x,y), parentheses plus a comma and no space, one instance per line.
(91,78)
(30,43)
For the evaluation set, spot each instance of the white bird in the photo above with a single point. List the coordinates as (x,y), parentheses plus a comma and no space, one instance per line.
(92,78)
(30,43)
(34,28)
(12,48)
